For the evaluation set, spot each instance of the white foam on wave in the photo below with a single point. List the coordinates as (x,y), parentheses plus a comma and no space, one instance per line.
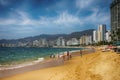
(22,65)
(39,60)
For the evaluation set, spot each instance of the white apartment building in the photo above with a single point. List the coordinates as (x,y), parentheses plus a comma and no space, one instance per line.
(73,41)
(108,37)
(60,41)
(101,32)
(95,36)
(86,40)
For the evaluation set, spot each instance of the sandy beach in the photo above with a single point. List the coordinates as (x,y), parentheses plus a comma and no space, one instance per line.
(96,66)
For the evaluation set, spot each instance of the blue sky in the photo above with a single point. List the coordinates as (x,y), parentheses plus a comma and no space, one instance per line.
(23,18)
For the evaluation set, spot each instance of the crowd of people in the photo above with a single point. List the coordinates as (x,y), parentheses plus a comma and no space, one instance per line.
(66,55)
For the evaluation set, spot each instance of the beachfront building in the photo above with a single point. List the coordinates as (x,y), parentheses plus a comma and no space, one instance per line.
(36,43)
(40,43)
(51,43)
(108,37)
(101,32)
(11,45)
(72,42)
(44,43)
(21,44)
(4,45)
(60,41)
(89,38)
(82,40)
(69,43)
(86,40)
(115,20)
(7,45)
(94,36)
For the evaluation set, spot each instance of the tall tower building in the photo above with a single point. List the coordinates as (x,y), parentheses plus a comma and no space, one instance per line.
(115,20)
(108,38)
(101,32)
(95,36)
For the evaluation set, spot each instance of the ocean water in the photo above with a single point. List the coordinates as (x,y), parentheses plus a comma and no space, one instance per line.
(17,55)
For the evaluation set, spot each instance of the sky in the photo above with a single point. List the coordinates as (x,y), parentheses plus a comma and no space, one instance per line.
(24,18)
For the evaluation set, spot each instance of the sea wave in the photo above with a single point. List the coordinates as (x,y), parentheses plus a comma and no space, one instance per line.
(21,65)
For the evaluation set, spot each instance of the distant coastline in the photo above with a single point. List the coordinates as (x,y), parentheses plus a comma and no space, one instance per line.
(47,40)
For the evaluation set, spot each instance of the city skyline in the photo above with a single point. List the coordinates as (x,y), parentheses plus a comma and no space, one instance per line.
(25,18)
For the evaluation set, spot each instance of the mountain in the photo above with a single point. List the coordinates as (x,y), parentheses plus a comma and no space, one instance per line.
(81,33)
(50,37)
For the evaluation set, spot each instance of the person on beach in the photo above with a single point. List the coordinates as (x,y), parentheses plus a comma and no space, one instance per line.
(93,49)
(63,57)
(68,55)
(81,53)
(50,55)
(58,55)
(53,55)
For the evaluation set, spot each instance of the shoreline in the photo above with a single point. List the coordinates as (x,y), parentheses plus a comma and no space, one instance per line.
(15,66)
(45,63)
(29,67)
(34,58)
(32,62)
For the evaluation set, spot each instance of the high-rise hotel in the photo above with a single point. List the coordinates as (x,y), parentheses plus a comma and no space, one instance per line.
(115,20)
(101,32)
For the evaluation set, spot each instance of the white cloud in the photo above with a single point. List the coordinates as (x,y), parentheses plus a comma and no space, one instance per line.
(21,22)
(6,22)
(98,18)
(18,18)
(24,19)
(64,19)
